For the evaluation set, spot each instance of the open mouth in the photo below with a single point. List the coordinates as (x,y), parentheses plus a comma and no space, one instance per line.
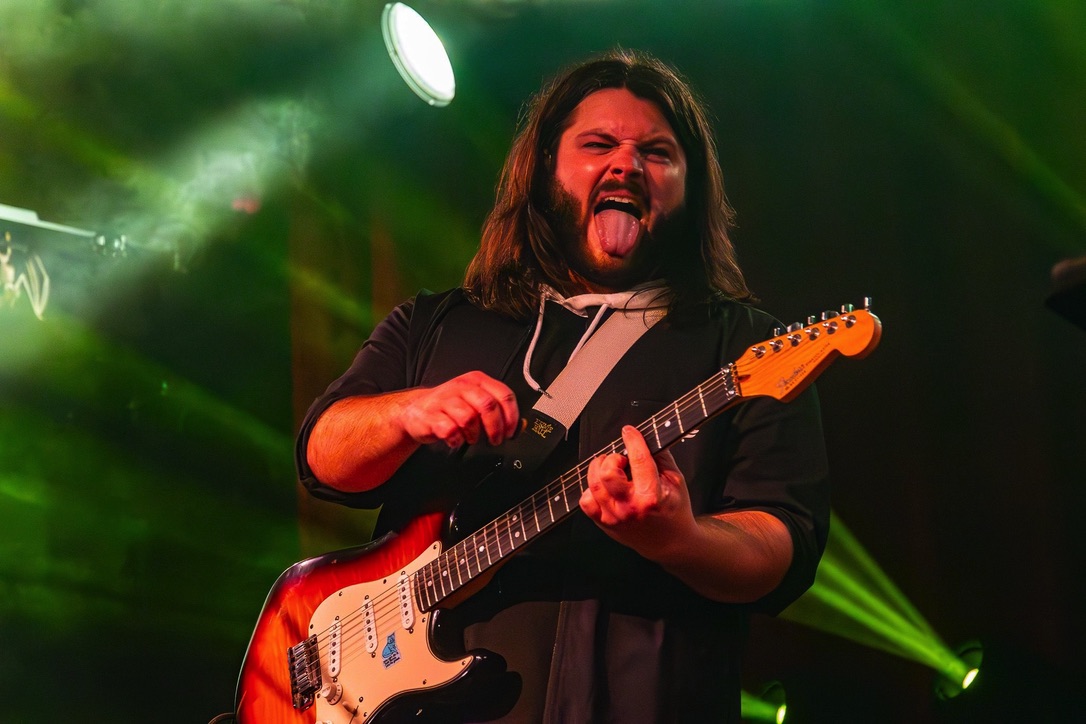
(618,224)
(614,203)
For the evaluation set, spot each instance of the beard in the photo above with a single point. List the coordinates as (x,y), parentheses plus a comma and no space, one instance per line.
(646,262)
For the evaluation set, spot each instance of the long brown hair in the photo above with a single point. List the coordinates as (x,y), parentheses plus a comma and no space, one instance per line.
(519,248)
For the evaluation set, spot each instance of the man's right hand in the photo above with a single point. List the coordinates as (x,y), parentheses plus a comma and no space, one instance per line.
(464,409)
(359,442)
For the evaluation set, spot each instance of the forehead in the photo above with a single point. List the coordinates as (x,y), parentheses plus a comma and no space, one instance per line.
(618,112)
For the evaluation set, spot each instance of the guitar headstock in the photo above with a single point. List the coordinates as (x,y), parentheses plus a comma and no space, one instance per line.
(784,365)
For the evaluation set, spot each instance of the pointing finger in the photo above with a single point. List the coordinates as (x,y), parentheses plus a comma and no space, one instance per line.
(642,466)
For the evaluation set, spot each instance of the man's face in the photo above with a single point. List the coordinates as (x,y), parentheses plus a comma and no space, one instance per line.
(620,177)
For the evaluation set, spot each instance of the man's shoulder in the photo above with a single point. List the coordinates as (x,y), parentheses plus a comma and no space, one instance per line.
(453,315)
(438,305)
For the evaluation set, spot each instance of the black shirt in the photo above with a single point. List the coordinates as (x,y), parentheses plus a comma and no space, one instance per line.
(590,631)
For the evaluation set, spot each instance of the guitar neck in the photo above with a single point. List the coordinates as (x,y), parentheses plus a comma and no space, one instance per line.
(494,542)
(780,367)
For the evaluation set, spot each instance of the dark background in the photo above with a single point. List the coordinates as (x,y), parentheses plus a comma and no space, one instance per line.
(279,189)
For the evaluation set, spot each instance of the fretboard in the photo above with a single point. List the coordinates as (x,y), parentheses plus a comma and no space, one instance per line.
(497,540)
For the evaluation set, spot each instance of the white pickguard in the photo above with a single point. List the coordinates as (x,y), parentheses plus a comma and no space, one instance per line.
(402,661)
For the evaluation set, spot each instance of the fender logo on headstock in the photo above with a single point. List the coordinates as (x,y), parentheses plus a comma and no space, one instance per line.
(785,382)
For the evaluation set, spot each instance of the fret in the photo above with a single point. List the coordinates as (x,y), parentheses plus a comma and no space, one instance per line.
(456,567)
(439,581)
(462,566)
(722,393)
(510,542)
(425,590)
(476,552)
(575,490)
(446,576)
(498,538)
(485,547)
(503,536)
(515,536)
(412,592)
(431,583)
(523,530)
(472,549)
(431,594)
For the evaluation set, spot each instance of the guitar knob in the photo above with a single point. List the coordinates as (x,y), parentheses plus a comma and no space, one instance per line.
(332,692)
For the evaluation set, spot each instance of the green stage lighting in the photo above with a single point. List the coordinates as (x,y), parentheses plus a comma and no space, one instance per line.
(768,706)
(418,54)
(854,598)
(952,683)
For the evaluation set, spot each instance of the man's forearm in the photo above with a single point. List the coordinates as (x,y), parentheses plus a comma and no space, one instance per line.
(735,557)
(358,442)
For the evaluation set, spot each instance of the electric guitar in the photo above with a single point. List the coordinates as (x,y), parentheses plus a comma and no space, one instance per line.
(352,636)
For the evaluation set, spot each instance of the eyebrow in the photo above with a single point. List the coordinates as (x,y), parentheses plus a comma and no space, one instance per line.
(664,137)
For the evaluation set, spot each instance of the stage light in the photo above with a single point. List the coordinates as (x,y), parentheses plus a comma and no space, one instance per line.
(418,54)
(854,598)
(767,706)
(964,674)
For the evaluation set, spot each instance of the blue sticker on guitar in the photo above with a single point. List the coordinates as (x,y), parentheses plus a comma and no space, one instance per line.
(390,654)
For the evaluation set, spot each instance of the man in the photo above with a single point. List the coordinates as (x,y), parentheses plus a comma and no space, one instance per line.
(611,198)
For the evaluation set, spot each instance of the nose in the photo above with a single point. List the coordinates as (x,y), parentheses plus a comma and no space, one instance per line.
(626,161)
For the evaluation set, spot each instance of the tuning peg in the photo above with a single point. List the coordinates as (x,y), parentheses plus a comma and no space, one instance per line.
(795,326)
(811,320)
(846,308)
(778,331)
(828,314)
(867,303)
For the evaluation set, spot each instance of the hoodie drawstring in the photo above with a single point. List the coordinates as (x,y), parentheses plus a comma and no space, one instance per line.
(578,305)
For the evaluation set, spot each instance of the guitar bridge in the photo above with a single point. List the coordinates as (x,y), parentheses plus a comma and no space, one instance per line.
(303,660)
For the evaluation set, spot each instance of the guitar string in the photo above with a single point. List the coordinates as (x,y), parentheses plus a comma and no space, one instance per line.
(381,606)
(557,490)
(385,605)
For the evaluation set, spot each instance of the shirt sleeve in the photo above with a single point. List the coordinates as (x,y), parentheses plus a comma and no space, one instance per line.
(381,365)
(780,467)
(778,464)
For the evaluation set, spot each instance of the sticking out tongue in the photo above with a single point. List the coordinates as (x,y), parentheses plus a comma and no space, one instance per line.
(618,231)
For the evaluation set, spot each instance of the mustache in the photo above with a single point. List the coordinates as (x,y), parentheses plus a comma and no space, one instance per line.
(610,185)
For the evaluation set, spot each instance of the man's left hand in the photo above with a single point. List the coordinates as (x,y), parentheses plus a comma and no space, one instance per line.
(639,500)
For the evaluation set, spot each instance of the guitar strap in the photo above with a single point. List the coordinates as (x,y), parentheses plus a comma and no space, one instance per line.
(562,402)
(578,381)
(558,407)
